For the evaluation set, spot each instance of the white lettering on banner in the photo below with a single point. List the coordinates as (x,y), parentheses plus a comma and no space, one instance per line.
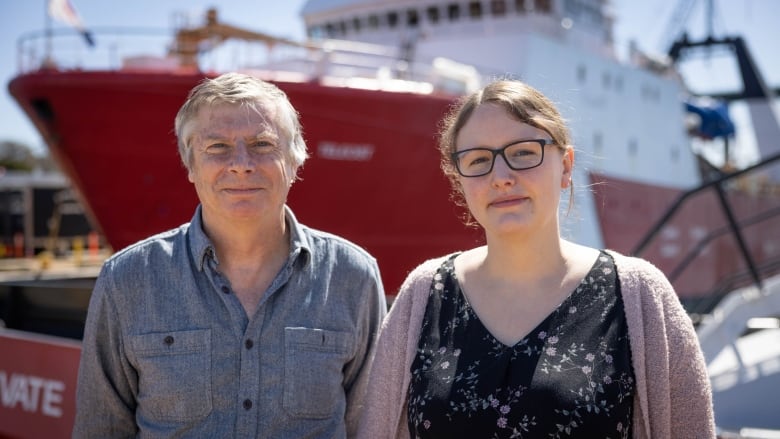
(28,391)
(345,151)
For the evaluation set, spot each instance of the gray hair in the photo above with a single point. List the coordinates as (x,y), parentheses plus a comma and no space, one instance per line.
(241,89)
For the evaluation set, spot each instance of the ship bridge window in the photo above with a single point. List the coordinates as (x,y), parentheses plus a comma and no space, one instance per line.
(520,6)
(542,6)
(606,80)
(475,10)
(330,30)
(356,24)
(392,19)
(675,154)
(582,73)
(315,32)
(619,83)
(598,144)
(584,11)
(373,21)
(498,8)
(433,14)
(342,27)
(650,93)
(453,11)
(412,19)
(633,148)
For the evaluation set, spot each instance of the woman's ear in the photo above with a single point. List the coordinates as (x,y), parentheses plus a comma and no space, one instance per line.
(567,161)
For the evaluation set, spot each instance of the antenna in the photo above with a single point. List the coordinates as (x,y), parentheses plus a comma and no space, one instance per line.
(675,27)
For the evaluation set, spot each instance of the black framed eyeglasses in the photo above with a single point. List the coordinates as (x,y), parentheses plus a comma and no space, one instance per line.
(518,155)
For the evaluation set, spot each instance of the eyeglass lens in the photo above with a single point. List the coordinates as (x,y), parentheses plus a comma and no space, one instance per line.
(479,161)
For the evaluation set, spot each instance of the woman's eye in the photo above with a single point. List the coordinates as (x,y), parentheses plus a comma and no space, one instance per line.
(523,152)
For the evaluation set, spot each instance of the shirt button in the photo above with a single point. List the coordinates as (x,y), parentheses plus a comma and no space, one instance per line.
(249,343)
(168,340)
(226,290)
(247,404)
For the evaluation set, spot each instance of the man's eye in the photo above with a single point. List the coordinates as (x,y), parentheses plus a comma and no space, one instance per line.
(263,144)
(215,147)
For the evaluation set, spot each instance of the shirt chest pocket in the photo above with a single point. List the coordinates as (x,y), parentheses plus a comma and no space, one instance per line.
(314,361)
(174,374)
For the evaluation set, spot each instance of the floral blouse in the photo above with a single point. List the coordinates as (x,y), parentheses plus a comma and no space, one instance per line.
(571,376)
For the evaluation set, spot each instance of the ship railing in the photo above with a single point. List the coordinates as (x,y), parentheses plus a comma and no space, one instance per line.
(367,65)
(756,269)
(373,66)
(66,49)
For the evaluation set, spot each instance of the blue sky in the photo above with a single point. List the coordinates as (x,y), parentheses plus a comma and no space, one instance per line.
(642,21)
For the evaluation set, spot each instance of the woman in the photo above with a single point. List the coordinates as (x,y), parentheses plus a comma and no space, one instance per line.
(531,335)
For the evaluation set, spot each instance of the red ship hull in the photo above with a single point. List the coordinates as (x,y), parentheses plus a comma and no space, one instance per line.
(373,176)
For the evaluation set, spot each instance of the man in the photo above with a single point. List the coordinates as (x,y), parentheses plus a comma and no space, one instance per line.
(243,322)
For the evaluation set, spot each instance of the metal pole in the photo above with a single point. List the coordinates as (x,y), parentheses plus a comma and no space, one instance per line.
(47,50)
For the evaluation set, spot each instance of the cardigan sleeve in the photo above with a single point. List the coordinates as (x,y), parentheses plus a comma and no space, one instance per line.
(672,385)
(690,391)
(384,409)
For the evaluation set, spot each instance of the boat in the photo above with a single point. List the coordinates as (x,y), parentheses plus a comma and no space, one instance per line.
(371,82)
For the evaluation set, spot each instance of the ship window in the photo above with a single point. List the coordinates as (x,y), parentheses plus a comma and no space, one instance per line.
(650,93)
(520,6)
(453,11)
(606,79)
(619,83)
(356,24)
(542,6)
(498,7)
(343,27)
(412,19)
(315,32)
(633,148)
(373,21)
(582,73)
(475,10)
(392,19)
(598,143)
(330,30)
(433,14)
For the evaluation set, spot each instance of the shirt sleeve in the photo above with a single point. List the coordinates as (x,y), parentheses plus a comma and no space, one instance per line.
(357,374)
(107,384)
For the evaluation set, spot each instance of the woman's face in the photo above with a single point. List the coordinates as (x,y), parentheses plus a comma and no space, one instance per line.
(507,201)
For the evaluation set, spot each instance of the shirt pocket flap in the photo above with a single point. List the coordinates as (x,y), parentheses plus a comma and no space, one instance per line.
(172,342)
(319,339)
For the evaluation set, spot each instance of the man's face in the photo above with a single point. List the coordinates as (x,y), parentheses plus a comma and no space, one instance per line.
(238,163)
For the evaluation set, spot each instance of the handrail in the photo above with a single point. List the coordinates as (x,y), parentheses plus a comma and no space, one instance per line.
(691,255)
(754,270)
(684,196)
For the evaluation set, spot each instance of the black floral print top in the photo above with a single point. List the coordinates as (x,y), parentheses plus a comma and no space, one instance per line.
(571,376)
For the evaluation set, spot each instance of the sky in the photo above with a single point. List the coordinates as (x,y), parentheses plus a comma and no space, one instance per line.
(645,22)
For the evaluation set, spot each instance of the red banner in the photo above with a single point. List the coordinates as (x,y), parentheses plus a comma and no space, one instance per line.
(37,385)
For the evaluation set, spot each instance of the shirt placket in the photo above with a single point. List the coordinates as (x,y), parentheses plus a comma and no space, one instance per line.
(251,348)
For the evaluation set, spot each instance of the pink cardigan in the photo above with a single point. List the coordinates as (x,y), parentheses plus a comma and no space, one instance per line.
(673,398)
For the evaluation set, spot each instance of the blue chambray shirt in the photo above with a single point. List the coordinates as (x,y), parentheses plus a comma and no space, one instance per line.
(169,351)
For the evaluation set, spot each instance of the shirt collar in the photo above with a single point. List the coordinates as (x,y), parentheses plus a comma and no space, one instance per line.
(201,247)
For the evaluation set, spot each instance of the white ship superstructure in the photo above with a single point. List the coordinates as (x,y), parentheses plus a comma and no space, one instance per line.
(627,120)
